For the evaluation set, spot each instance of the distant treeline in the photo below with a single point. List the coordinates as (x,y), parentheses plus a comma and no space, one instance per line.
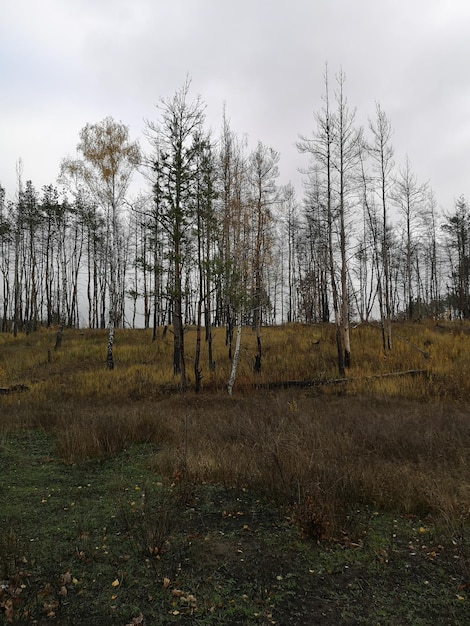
(213,239)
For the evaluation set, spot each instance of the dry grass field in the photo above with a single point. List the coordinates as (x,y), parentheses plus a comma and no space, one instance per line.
(399,442)
(329,455)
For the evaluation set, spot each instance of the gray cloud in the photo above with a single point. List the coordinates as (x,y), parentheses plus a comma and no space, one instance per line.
(63,64)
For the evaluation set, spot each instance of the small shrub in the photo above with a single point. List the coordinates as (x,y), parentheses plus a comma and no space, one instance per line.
(153,518)
(313,518)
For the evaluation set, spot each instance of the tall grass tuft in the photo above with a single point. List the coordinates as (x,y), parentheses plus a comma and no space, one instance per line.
(330,456)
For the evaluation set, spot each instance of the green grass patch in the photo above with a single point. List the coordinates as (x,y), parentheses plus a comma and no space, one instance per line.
(111,542)
(344,502)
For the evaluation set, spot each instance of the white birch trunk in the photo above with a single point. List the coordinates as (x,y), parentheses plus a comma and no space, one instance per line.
(109,353)
(236,355)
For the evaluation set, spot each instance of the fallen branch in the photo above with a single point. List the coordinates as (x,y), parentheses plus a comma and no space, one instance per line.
(285,384)
(13,389)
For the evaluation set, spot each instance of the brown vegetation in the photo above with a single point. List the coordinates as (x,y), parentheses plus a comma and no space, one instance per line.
(392,443)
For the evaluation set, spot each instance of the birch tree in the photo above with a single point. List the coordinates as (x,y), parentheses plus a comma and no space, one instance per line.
(233,218)
(432,264)
(106,164)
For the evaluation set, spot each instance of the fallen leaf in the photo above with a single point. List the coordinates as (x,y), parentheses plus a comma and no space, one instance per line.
(7,607)
(115,583)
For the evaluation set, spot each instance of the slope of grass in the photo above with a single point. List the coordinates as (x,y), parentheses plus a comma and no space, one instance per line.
(112,542)
(295,352)
(345,500)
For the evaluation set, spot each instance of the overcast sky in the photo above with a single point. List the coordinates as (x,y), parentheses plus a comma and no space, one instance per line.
(66,63)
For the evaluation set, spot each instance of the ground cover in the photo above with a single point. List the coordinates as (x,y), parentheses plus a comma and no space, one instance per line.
(123,501)
(111,542)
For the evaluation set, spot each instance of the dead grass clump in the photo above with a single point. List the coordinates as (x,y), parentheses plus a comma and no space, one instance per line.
(106,431)
(324,457)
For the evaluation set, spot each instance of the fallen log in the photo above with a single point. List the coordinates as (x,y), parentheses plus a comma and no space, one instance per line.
(286,384)
(13,389)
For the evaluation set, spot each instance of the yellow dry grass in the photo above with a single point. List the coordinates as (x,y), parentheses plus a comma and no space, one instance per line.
(394,442)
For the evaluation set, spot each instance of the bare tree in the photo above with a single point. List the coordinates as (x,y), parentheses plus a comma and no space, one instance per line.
(429,219)
(369,252)
(381,151)
(347,146)
(205,228)
(19,245)
(291,227)
(457,230)
(312,251)
(6,255)
(263,172)
(321,149)
(334,148)
(409,197)
(233,217)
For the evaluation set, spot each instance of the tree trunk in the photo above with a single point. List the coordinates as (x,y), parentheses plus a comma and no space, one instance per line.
(233,373)
(179,365)
(109,354)
(63,295)
(197,353)
(110,357)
